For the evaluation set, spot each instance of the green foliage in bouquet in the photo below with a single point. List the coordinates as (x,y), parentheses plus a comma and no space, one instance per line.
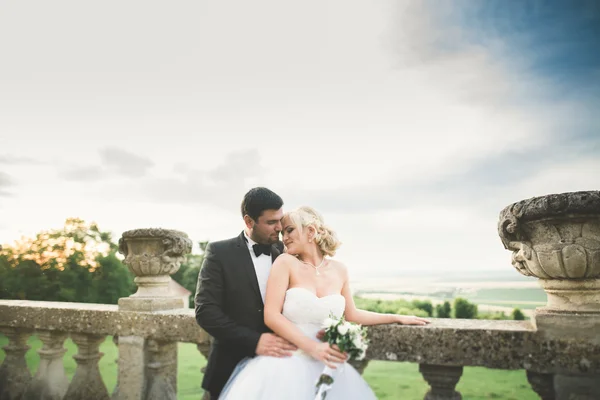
(351,338)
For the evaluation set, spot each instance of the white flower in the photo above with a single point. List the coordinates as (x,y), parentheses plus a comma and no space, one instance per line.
(329,322)
(357,342)
(343,328)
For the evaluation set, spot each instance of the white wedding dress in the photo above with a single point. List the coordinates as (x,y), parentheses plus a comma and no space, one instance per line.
(295,377)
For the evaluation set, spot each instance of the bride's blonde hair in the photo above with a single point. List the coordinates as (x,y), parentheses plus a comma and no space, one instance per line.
(325,237)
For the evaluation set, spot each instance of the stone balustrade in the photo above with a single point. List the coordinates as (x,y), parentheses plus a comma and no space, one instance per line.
(441,348)
(555,238)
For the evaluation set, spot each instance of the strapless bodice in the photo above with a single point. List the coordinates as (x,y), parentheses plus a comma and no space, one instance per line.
(308,311)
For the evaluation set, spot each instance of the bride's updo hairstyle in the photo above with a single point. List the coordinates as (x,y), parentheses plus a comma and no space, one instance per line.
(324,237)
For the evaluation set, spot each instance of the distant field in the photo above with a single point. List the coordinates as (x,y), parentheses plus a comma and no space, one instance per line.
(523,295)
(490,296)
(389,380)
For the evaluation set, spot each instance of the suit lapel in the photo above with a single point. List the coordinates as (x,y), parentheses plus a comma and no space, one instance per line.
(246,264)
(274,253)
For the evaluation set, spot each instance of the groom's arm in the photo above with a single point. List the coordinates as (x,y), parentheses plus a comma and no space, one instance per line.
(209,301)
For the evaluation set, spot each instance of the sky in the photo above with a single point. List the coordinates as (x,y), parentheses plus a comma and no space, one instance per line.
(408,125)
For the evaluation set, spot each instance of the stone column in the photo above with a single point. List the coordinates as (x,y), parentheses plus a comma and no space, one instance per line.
(50,381)
(14,375)
(87,382)
(442,380)
(152,255)
(556,238)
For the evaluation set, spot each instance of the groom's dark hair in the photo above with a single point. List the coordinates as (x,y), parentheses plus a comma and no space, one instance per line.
(258,200)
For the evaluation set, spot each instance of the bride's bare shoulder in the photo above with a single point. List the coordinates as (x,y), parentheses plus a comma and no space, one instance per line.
(339,266)
(285,259)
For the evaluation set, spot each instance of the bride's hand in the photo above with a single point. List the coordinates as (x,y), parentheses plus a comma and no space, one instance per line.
(411,320)
(329,355)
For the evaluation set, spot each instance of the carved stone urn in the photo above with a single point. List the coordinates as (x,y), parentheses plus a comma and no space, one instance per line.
(153,255)
(556,238)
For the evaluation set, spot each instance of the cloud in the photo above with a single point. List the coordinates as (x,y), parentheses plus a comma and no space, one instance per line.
(114,163)
(125,163)
(222,186)
(16,160)
(83,174)
(5,182)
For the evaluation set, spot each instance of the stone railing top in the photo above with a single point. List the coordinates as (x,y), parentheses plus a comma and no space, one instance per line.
(452,342)
(552,205)
(172,325)
(492,344)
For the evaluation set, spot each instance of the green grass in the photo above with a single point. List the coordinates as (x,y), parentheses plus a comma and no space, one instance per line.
(389,380)
(396,380)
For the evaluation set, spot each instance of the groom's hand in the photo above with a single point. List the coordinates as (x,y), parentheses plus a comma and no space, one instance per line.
(274,346)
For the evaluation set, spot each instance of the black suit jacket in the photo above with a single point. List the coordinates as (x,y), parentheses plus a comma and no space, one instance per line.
(229,307)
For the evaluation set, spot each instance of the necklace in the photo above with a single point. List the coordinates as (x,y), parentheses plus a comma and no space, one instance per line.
(316,267)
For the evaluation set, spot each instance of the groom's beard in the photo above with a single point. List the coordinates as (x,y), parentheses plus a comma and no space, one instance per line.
(270,239)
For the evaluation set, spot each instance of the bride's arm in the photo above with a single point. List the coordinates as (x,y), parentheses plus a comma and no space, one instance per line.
(277,286)
(364,317)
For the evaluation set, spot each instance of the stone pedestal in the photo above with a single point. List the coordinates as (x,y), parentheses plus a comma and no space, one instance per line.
(556,238)
(152,255)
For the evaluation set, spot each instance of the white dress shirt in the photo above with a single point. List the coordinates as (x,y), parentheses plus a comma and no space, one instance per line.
(262,267)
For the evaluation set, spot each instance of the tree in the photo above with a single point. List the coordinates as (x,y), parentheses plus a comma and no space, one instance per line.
(464,309)
(187,275)
(77,263)
(443,310)
(518,315)
(424,305)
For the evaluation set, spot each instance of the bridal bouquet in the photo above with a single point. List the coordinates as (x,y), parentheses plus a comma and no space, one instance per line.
(351,338)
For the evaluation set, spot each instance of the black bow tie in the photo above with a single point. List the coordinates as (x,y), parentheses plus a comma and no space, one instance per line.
(261,249)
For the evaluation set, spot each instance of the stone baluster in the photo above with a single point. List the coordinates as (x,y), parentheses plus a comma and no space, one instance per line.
(115,393)
(162,370)
(542,384)
(152,255)
(442,380)
(87,382)
(50,381)
(556,238)
(360,365)
(14,375)
(204,349)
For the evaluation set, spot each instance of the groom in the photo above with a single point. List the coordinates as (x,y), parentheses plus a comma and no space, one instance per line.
(231,291)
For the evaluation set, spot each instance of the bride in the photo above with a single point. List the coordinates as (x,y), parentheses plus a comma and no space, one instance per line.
(303,289)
